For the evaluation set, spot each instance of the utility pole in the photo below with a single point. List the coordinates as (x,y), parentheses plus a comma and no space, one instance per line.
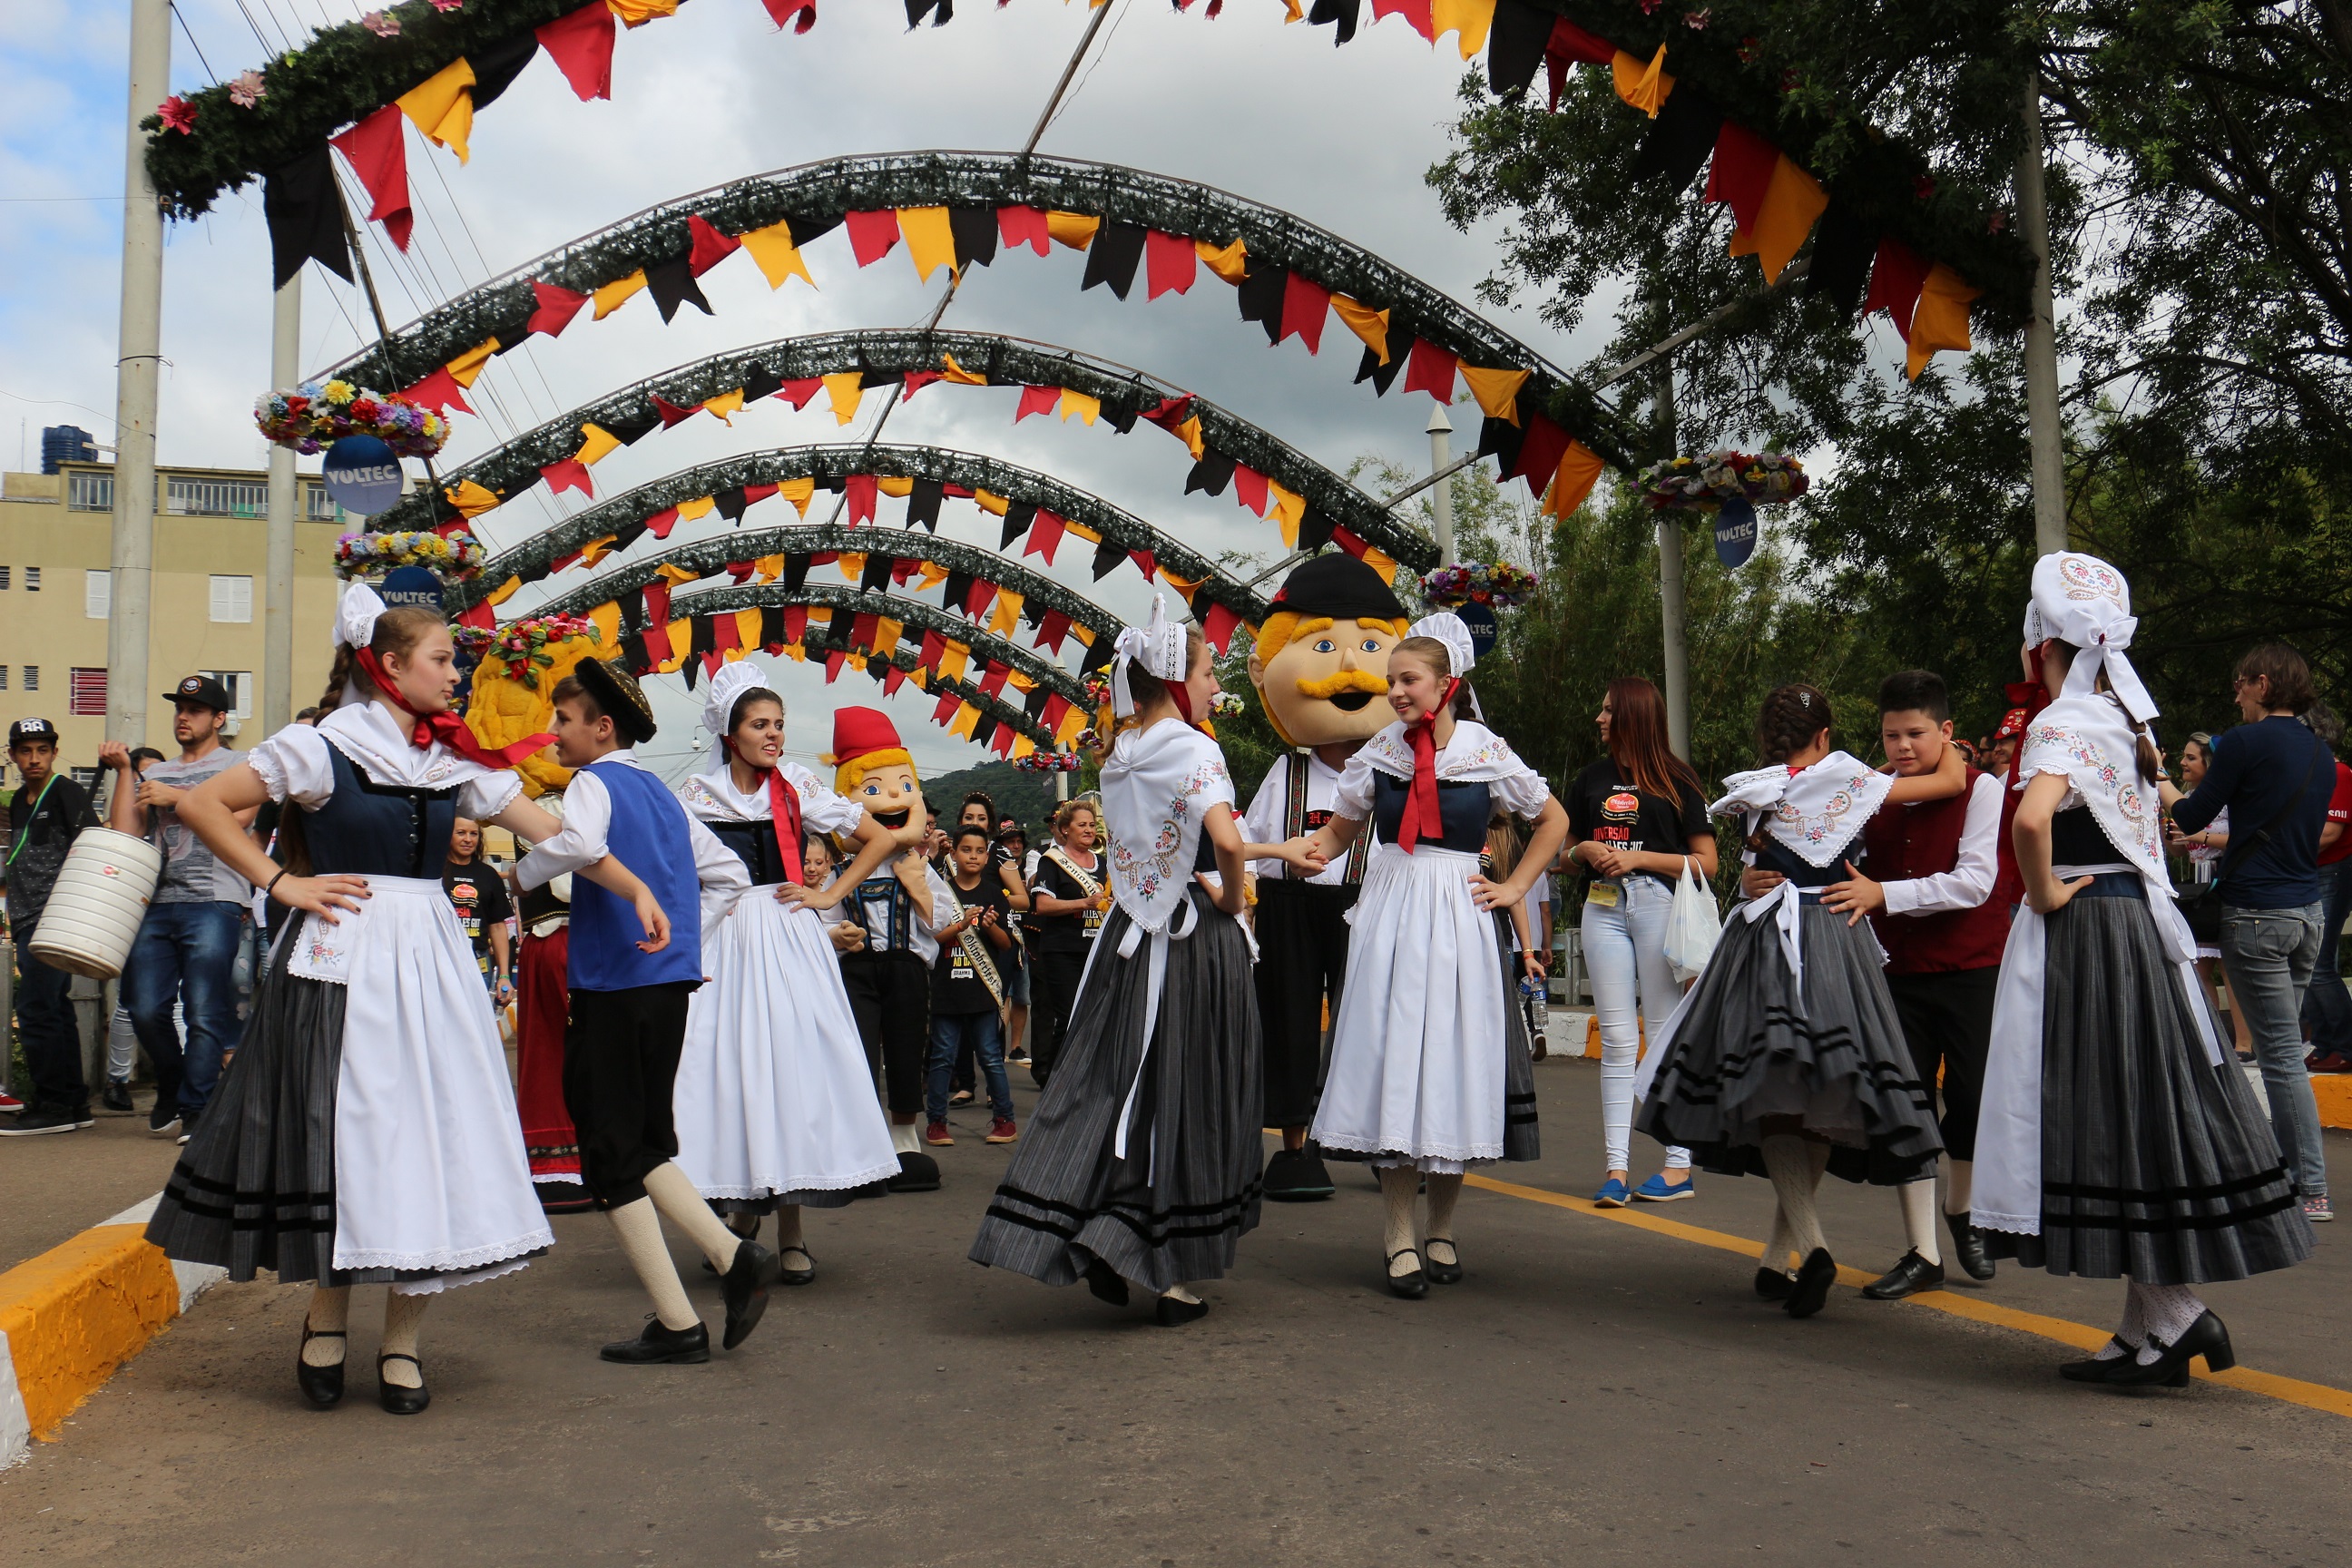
(277,616)
(1440,495)
(132,560)
(1672,616)
(2045,431)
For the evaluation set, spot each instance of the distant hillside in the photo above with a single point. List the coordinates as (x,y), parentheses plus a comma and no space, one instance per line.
(1027,798)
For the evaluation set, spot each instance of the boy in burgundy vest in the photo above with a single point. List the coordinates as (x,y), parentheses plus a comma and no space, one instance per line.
(1933,893)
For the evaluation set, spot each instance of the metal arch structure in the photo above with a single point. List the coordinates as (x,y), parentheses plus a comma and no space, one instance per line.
(885,357)
(830,467)
(814,197)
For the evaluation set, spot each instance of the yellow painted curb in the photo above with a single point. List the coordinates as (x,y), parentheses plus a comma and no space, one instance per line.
(2334,1092)
(74,1314)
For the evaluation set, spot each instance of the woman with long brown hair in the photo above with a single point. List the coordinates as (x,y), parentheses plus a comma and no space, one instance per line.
(1634,819)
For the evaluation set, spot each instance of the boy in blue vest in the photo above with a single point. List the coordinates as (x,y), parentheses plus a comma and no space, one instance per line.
(629,1007)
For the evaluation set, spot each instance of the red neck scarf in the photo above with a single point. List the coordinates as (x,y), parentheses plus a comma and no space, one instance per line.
(784,811)
(448,726)
(1421,816)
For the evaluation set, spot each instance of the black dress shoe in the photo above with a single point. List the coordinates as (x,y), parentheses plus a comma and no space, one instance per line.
(1412,1287)
(1773,1285)
(395,1399)
(321,1385)
(744,1286)
(1296,1175)
(1908,1278)
(1105,1283)
(794,1276)
(1810,1291)
(658,1346)
(1968,1247)
(1175,1314)
(2205,1337)
(2093,1370)
(1442,1273)
(917,1174)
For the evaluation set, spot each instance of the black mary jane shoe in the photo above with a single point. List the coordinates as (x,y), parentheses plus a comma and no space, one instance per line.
(1773,1285)
(2206,1337)
(1412,1287)
(395,1399)
(744,1286)
(1908,1278)
(1968,1247)
(1296,1175)
(658,1346)
(917,1174)
(321,1385)
(1810,1291)
(794,1276)
(2092,1369)
(1174,1312)
(1104,1283)
(1441,1273)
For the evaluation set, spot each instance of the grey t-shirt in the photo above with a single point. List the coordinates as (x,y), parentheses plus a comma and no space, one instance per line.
(192,874)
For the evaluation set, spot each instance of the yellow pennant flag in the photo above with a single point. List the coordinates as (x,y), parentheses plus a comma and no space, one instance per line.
(1579,469)
(1075,230)
(637,12)
(1087,408)
(1940,319)
(1019,682)
(442,106)
(606,619)
(676,576)
(954,658)
(723,406)
(955,374)
(989,501)
(1229,262)
(933,575)
(1189,433)
(1497,391)
(931,243)
(1072,722)
(1381,562)
(1288,507)
(470,499)
(770,567)
(681,638)
(687,510)
(961,724)
(596,443)
(1367,323)
(886,633)
(1644,87)
(612,295)
(778,257)
(466,368)
(1792,200)
(897,485)
(1022,746)
(851,563)
(799,492)
(1470,18)
(747,631)
(844,390)
(503,592)
(595,550)
(1006,614)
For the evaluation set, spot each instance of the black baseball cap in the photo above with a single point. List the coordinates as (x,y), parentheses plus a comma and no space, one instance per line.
(25,730)
(205,689)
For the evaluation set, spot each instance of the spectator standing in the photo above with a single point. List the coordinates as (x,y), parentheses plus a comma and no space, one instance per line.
(968,987)
(47,812)
(2327,1005)
(2276,778)
(121,1039)
(2204,850)
(1014,863)
(480,895)
(1068,897)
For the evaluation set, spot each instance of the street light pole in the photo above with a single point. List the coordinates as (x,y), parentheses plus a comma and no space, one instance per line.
(278,614)
(132,558)
(2044,430)
(1440,495)
(1671,612)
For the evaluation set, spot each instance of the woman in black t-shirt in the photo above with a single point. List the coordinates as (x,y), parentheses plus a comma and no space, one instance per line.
(1633,818)
(1065,913)
(479,894)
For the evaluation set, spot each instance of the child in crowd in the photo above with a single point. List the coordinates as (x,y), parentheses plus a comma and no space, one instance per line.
(968,987)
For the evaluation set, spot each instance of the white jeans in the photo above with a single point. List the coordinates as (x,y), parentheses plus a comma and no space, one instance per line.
(1623,945)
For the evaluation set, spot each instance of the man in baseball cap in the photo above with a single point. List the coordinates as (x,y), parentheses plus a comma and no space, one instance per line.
(45,814)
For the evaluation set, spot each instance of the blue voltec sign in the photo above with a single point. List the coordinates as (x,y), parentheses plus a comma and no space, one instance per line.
(363,475)
(1735,531)
(1484,629)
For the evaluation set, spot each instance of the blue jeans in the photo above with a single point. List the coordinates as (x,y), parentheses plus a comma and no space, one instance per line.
(951,1031)
(187,953)
(2269,955)
(45,1022)
(2327,1005)
(1625,954)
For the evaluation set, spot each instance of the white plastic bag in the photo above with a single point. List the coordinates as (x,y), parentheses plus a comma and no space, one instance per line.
(1694,927)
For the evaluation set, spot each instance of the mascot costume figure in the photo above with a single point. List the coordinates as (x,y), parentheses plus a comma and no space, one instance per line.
(1320,667)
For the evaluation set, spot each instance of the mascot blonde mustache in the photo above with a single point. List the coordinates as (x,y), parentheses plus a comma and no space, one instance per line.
(1321,670)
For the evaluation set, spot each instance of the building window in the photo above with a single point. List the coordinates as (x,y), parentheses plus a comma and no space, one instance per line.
(32,579)
(97,593)
(86,777)
(233,599)
(238,683)
(216,497)
(32,678)
(4,579)
(86,694)
(4,677)
(89,492)
(317,506)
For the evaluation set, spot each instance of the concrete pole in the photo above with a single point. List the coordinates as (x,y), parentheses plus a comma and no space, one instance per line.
(1440,495)
(136,373)
(278,622)
(2045,430)
(1673,616)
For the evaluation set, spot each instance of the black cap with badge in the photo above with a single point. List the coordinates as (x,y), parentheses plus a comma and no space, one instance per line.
(25,730)
(616,691)
(204,690)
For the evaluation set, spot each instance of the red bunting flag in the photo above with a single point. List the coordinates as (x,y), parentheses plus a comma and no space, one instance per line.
(758,492)
(1036,400)
(1305,304)
(1896,276)
(1249,489)
(1415,12)
(671,414)
(781,12)
(1023,226)
(726,633)
(483,616)
(1573,42)
(656,601)
(378,151)
(1057,708)
(440,390)
(946,710)
(832,663)
(741,571)
(1001,741)
(1144,562)
(862,628)
(1051,629)
(918,379)
(896,677)
(580,45)
(565,560)
(1217,627)
(934,645)
(795,623)
(556,308)
(1171,412)
(711,247)
(977,601)
(798,393)
(1169,263)
(1741,172)
(860,489)
(571,474)
(871,234)
(1348,543)
(1044,535)
(1430,368)
(992,679)
(662,521)
(1540,451)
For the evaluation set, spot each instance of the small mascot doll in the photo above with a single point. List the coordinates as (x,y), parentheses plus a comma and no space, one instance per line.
(890,979)
(1320,667)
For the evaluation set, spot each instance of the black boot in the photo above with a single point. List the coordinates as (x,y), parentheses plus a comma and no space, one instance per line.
(658,1346)
(1968,1248)
(917,1174)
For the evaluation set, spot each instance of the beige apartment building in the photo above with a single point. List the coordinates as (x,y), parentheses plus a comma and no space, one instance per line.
(207,601)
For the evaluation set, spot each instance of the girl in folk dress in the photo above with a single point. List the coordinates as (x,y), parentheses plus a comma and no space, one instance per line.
(774,1105)
(1430,1071)
(366,1132)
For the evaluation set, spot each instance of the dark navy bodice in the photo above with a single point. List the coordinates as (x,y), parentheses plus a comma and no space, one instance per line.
(756,844)
(1464,806)
(370,830)
(2077,840)
(1774,856)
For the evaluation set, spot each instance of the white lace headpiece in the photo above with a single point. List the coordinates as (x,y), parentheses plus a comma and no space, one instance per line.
(355,618)
(1451,629)
(720,694)
(1158,646)
(2080,599)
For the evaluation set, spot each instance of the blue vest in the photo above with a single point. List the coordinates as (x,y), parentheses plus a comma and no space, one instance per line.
(1462,806)
(368,829)
(648,835)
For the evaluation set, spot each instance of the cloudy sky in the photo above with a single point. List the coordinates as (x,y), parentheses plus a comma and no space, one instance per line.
(1269,111)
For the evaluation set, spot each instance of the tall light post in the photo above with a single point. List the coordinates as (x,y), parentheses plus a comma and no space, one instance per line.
(137,367)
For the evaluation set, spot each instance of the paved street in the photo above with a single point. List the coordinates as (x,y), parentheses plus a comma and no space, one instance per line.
(1596,1391)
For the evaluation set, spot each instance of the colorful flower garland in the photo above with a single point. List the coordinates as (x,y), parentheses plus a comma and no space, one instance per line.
(1499,585)
(527,646)
(1704,483)
(455,558)
(316,415)
(1047,763)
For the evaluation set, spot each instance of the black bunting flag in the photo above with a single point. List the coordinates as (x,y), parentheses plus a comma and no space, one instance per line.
(974,232)
(1679,140)
(672,283)
(1018,516)
(1843,248)
(923,503)
(305,209)
(731,503)
(1346,13)
(628,430)
(958,590)
(876,576)
(1107,556)
(796,571)
(1515,47)
(496,65)
(1383,376)
(1113,257)
(1260,296)
(1213,473)
(759,381)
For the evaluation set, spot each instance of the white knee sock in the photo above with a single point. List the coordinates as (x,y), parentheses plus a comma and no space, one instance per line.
(639,1228)
(330,1313)
(1399,1186)
(1444,1192)
(1959,1184)
(1790,1166)
(904,1140)
(672,1192)
(2132,1330)
(1919,1218)
(788,1226)
(2171,1311)
(1776,1244)
(402,1315)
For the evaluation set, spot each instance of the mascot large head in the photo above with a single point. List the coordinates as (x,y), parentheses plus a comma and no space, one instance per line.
(1322,661)
(870,767)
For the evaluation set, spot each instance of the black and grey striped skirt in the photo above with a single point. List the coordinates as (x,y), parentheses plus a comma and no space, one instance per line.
(2155,1164)
(1751,1046)
(1176,1207)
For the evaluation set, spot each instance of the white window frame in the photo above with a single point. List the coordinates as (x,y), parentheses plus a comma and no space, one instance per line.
(32,579)
(32,677)
(74,686)
(239,686)
(97,594)
(238,592)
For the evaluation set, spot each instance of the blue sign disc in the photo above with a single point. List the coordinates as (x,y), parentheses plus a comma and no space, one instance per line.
(1735,531)
(411,585)
(1484,629)
(363,475)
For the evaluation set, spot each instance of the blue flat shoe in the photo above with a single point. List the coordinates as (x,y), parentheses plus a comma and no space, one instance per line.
(1613,1195)
(1655,1191)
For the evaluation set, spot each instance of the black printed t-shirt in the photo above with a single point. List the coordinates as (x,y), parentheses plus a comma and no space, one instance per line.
(1064,933)
(956,984)
(1603,807)
(480,895)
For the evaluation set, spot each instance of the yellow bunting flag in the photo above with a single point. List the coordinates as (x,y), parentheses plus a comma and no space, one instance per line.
(1006,615)
(1087,408)
(724,406)
(1792,200)
(770,567)
(681,638)
(612,295)
(606,619)
(932,575)
(1189,433)
(796,653)
(1183,585)
(1470,18)
(961,724)
(1072,722)
(920,677)
(1231,262)
(851,563)
(1497,391)
(799,492)
(442,106)
(955,374)
(597,443)
(687,510)
(637,12)
(1367,323)
(1075,230)
(1289,507)
(1940,319)
(1383,563)
(747,631)
(1082,531)
(989,501)
(1020,682)
(778,257)
(466,368)
(470,499)
(894,485)
(886,633)
(1643,86)
(952,660)
(595,550)
(844,390)
(930,244)
(1022,746)
(1579,469)
(676,576)
(503,592)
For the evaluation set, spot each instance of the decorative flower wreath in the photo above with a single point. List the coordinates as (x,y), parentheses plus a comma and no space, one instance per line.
(454,559)
(1501,584)
(527,646)
(1704,484)
(1098,687)
(1047,763)
(316,415)
(1226,704)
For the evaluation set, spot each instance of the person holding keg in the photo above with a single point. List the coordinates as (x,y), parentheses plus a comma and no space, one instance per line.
(47,812)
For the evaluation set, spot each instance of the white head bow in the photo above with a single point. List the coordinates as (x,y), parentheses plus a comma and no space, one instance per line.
(1159,647)
(2080,599)
(1451,629)
(720,694)
(355,615)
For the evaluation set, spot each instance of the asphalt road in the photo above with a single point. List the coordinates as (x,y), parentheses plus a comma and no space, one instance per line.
(1595,1391)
